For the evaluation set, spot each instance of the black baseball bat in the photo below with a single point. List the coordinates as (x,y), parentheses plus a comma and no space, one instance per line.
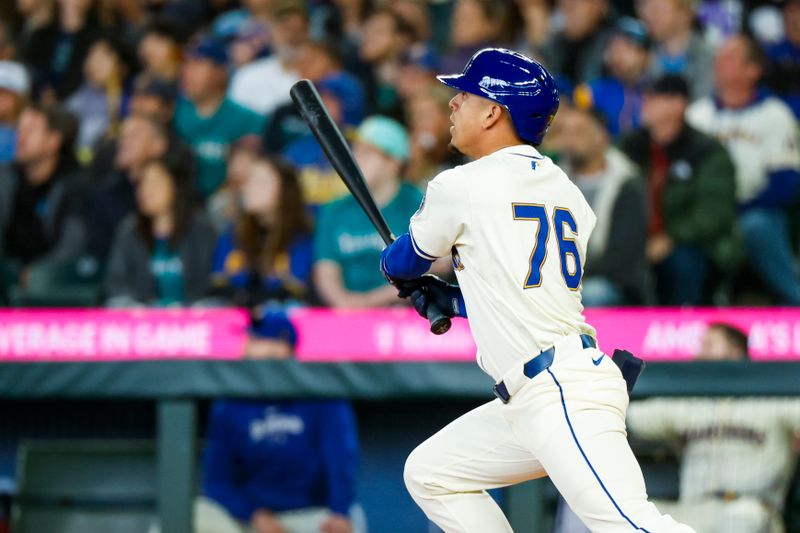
(309,104)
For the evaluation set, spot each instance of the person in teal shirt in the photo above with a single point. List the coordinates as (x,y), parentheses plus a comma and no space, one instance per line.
(346,246)
(205,119)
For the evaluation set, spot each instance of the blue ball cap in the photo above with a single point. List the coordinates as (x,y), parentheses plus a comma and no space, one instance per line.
(210,49)
(518,83)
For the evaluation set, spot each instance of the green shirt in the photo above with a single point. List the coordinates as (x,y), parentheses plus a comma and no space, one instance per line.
(345,236)
(167,268)
(210,137)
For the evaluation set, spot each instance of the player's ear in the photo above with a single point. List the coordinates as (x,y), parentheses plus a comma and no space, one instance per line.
(494,113)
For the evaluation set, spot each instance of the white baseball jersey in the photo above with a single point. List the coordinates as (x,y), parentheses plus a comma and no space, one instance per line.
(741,445)
(760,138)
(518,229)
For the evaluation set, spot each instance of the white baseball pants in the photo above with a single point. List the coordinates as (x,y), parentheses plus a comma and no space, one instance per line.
(567,422)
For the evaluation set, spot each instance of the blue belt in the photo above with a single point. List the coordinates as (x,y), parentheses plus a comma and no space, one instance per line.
(537,365)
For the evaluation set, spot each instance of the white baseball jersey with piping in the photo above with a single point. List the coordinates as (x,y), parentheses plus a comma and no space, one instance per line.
(518,228)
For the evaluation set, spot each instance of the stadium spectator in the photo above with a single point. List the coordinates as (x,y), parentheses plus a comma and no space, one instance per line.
(56,52)
(678,48)
(279,467)
(36,15)
(265,254)
(113,197)
(417,16)
(385,37)
(207,120)
(691,195)
(224,206)
(428,117)
(235,22)
(14,89)
(419,66)
(760,132)
(251,43)
(161,255)
(160,52)
(154,97)
(264,85)
(618,96)
(40,222)
(8,48)
(536,19)
(784,58)
(100,101)
(575,53)
(316,61)
(613,187)
(723,342)
(344,97)
(475,24)
(346,245)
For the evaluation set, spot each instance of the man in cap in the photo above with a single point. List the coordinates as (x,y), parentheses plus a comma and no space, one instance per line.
(263,85)
(691,195)
(205,119)
(517,231)
(618,96)
(346,245)
(760,132)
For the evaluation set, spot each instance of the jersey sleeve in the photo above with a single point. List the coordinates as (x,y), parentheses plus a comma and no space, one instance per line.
(781,151)
(653,419)
(440,219)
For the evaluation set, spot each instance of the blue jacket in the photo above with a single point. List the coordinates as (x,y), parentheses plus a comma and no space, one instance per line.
(281,456)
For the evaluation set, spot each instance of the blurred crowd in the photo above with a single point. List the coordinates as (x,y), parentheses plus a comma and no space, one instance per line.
(150,154)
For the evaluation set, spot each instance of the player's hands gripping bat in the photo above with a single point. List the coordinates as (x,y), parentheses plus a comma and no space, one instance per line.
(309,104)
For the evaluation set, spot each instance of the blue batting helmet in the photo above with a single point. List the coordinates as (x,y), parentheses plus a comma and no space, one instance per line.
(516,82)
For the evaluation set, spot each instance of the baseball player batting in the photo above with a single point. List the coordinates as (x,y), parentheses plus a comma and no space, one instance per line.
(517,229)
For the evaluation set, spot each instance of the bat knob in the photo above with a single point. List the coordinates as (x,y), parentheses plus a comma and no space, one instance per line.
(441,325)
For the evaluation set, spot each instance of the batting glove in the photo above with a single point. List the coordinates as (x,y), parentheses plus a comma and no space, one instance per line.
(429,288)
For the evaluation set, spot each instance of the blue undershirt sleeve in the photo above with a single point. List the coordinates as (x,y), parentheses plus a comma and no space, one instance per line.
(399,260)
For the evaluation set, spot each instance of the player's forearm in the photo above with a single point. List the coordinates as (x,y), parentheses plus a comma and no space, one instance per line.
(400,261)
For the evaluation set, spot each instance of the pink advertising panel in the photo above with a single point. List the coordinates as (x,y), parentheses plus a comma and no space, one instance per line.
(108,335)
(360,335)
(653,334)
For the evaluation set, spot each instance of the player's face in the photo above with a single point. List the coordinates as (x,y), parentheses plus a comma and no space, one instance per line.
(467,114)
(715,346)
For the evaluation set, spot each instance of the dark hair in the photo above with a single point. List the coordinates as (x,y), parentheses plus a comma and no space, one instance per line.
(755,54)
(60,121)
(734,335)
(262,250)
(165,28)
(180,170)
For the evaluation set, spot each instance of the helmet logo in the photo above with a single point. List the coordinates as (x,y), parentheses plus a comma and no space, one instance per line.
(489,83)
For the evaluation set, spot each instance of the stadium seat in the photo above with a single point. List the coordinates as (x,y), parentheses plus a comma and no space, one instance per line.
(73,284)
(82,486)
